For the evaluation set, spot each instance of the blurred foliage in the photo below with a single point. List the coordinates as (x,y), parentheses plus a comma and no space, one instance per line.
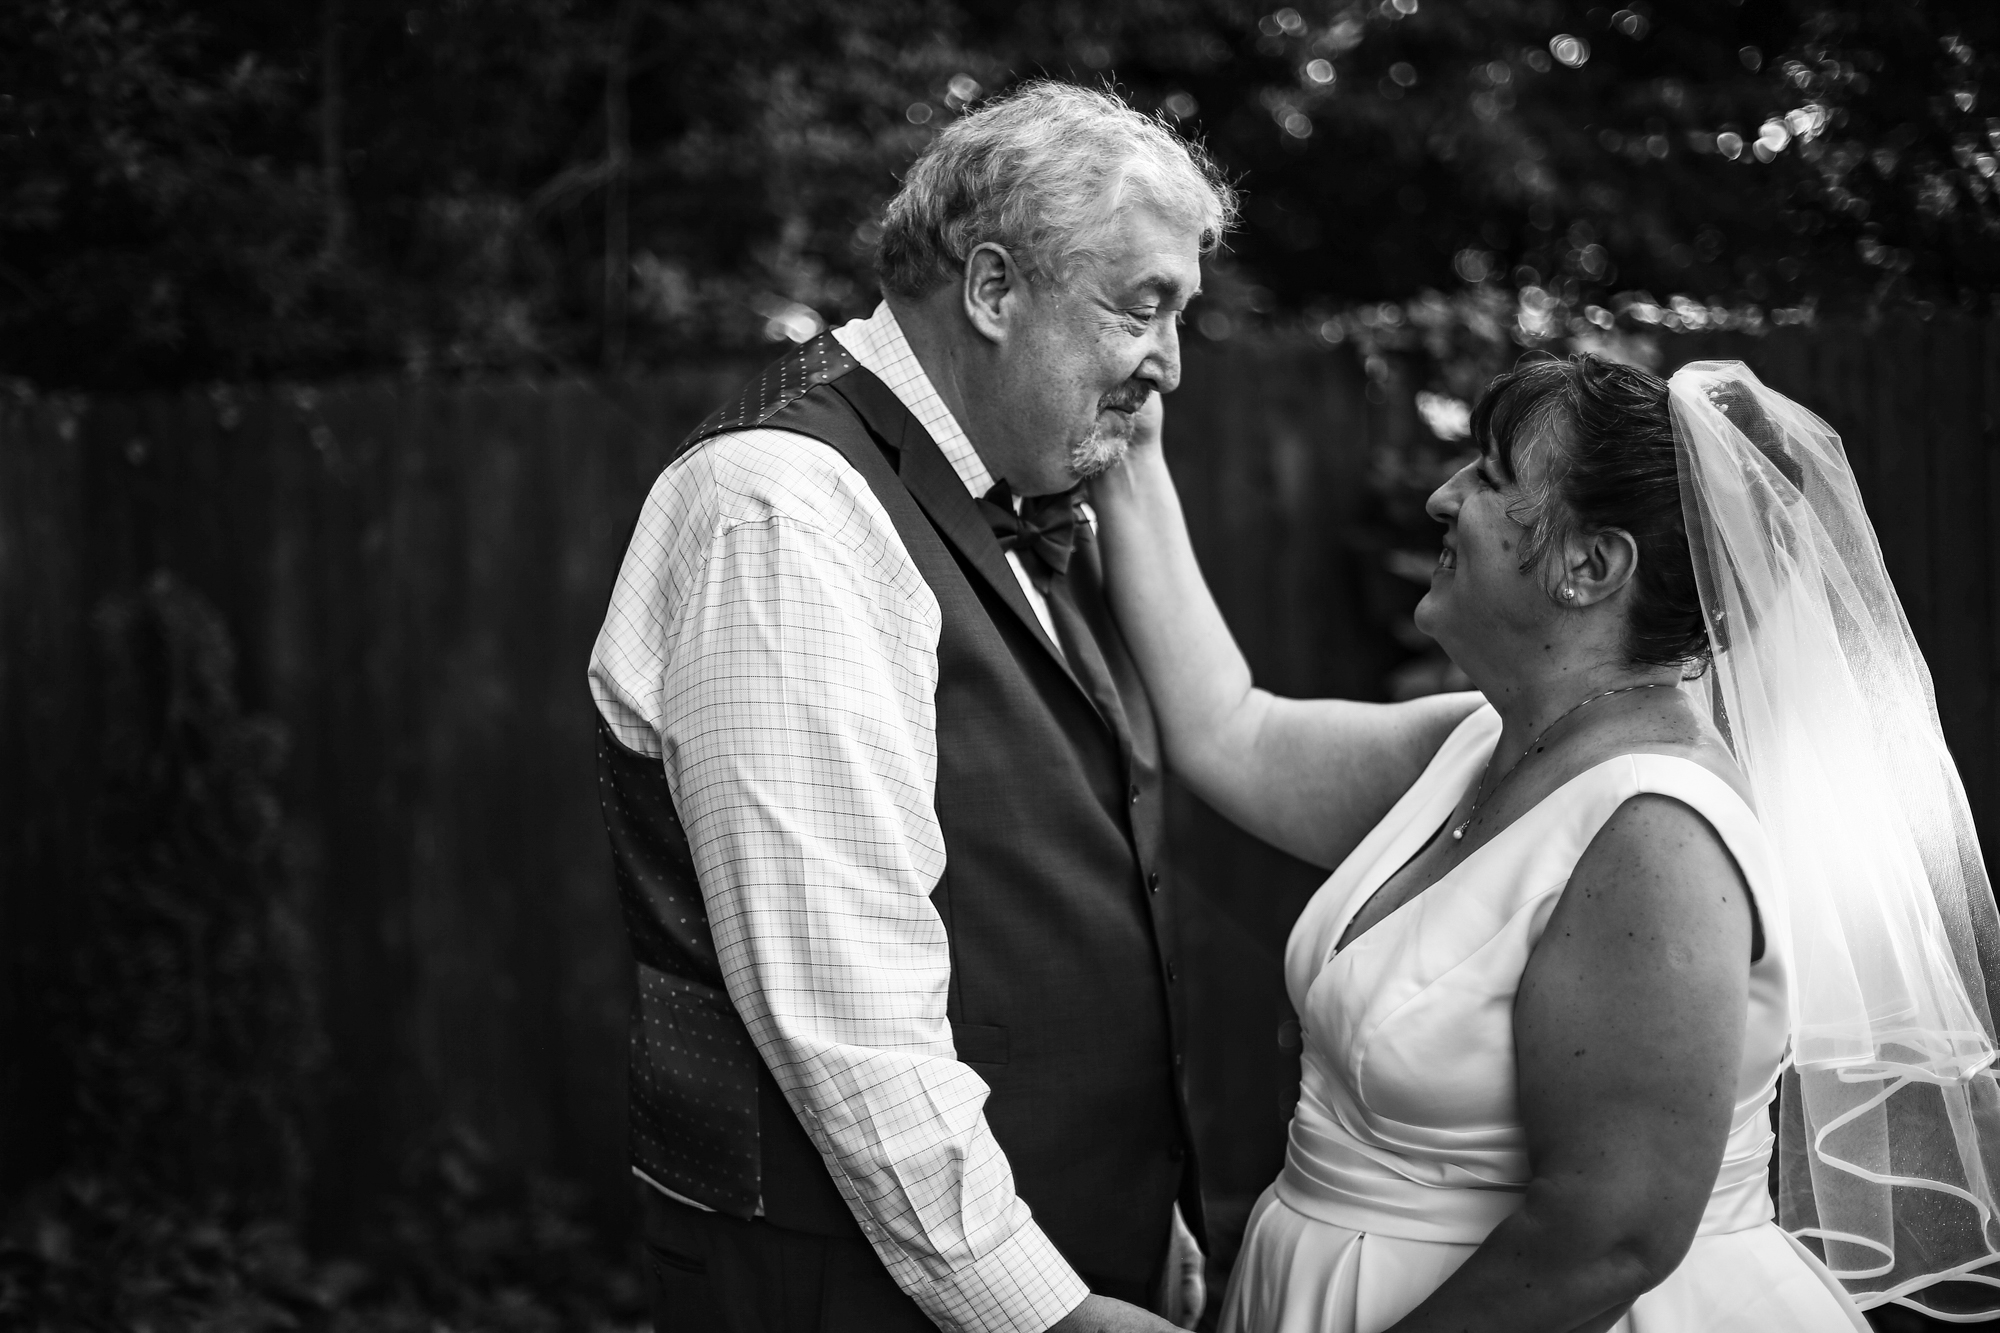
(1764,152)
(183,1002)
(184,1008)
(229,190)
(459,1249)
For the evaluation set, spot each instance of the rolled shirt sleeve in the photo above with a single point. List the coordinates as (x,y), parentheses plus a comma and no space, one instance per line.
(771,641)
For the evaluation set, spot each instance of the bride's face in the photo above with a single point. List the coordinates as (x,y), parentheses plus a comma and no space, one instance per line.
(1481,600)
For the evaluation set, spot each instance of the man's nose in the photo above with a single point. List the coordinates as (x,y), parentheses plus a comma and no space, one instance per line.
(1162,366)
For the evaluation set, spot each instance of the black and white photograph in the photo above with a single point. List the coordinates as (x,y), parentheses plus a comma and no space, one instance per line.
(1055,666)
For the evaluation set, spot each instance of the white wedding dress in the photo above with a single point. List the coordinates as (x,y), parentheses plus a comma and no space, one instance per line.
(1406,1149)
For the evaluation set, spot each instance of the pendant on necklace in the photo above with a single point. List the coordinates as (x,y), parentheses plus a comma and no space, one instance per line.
(1459,832)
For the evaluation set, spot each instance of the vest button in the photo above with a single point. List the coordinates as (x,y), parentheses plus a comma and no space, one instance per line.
(1173,973)
(1135,796)
(1153,881)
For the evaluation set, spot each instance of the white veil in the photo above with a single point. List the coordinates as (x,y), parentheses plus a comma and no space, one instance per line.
(1890,1120)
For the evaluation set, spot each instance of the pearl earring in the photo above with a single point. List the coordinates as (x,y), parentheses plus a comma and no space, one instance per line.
(1569,594)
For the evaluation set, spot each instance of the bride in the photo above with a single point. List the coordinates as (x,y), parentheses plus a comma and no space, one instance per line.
(1700,830)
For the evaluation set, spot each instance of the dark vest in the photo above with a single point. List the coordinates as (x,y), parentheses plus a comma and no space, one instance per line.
(1065,989)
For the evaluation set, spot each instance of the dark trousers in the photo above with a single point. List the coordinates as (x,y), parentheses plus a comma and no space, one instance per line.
(716,1274)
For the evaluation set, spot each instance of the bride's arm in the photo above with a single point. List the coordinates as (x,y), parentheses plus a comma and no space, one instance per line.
(1628,1035)
(1310,776)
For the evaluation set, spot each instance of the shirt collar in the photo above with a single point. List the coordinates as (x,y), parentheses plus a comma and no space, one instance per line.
(877,342)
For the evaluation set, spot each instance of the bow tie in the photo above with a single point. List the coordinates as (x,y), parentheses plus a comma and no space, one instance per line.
(1046,525)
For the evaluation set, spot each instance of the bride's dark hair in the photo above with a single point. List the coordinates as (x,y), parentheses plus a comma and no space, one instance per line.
(1610,464)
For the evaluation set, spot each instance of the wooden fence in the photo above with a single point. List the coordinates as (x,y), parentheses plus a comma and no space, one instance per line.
(413,575)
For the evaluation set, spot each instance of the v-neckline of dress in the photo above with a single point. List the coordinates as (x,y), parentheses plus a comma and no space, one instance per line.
(1361,900)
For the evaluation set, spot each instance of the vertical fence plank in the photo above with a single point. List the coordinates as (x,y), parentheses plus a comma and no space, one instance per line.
(46,697)
(1988,423)
(1960,519)
(1900,505)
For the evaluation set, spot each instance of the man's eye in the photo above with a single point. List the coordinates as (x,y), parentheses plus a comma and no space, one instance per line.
(1144,318)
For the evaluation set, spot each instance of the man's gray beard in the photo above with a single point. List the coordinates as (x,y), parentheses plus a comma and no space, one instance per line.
(1096,454)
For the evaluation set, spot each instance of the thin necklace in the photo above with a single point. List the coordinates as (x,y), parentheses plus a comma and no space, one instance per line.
(1479,796)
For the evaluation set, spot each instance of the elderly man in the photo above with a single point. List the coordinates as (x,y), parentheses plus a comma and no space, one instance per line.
(883,786)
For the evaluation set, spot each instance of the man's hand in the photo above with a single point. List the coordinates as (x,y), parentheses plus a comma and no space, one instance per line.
(1101,1314)
(1184,1281)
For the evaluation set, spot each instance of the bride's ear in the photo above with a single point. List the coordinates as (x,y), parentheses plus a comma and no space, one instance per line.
(1595,566)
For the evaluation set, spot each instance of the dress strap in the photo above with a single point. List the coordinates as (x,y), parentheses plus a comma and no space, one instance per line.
(1723,808)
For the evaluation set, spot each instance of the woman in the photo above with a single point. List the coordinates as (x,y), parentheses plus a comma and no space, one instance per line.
(1549,991)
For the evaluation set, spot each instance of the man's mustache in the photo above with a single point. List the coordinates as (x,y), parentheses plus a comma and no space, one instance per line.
(1129,399)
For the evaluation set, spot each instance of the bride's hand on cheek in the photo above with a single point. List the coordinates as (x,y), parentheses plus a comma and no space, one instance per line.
(1115,488)
(1147,424)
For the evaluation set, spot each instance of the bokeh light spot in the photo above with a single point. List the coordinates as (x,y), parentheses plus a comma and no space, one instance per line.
(1632,23)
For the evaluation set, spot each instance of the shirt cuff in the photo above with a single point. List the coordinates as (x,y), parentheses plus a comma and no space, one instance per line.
(1023,1285)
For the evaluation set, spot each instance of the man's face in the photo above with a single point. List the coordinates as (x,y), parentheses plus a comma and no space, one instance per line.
(1095,345)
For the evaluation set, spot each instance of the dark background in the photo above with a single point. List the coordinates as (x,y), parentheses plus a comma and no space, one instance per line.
(346,338)
(243,189)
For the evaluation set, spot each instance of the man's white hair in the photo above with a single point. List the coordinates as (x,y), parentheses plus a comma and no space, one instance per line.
(1044,172)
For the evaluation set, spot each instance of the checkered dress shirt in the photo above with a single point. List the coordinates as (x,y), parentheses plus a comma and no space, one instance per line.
(770,640)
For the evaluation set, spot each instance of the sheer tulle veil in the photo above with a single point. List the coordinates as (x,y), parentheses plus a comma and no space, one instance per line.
(1890,1116)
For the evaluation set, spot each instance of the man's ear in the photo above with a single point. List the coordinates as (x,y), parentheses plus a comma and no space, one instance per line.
(1596,565)
(993,287)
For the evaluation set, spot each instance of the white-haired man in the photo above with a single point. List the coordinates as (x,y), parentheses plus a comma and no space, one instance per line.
(883,787)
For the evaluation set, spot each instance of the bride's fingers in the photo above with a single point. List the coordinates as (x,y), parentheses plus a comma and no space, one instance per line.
(1194,1294)
(1148,420)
